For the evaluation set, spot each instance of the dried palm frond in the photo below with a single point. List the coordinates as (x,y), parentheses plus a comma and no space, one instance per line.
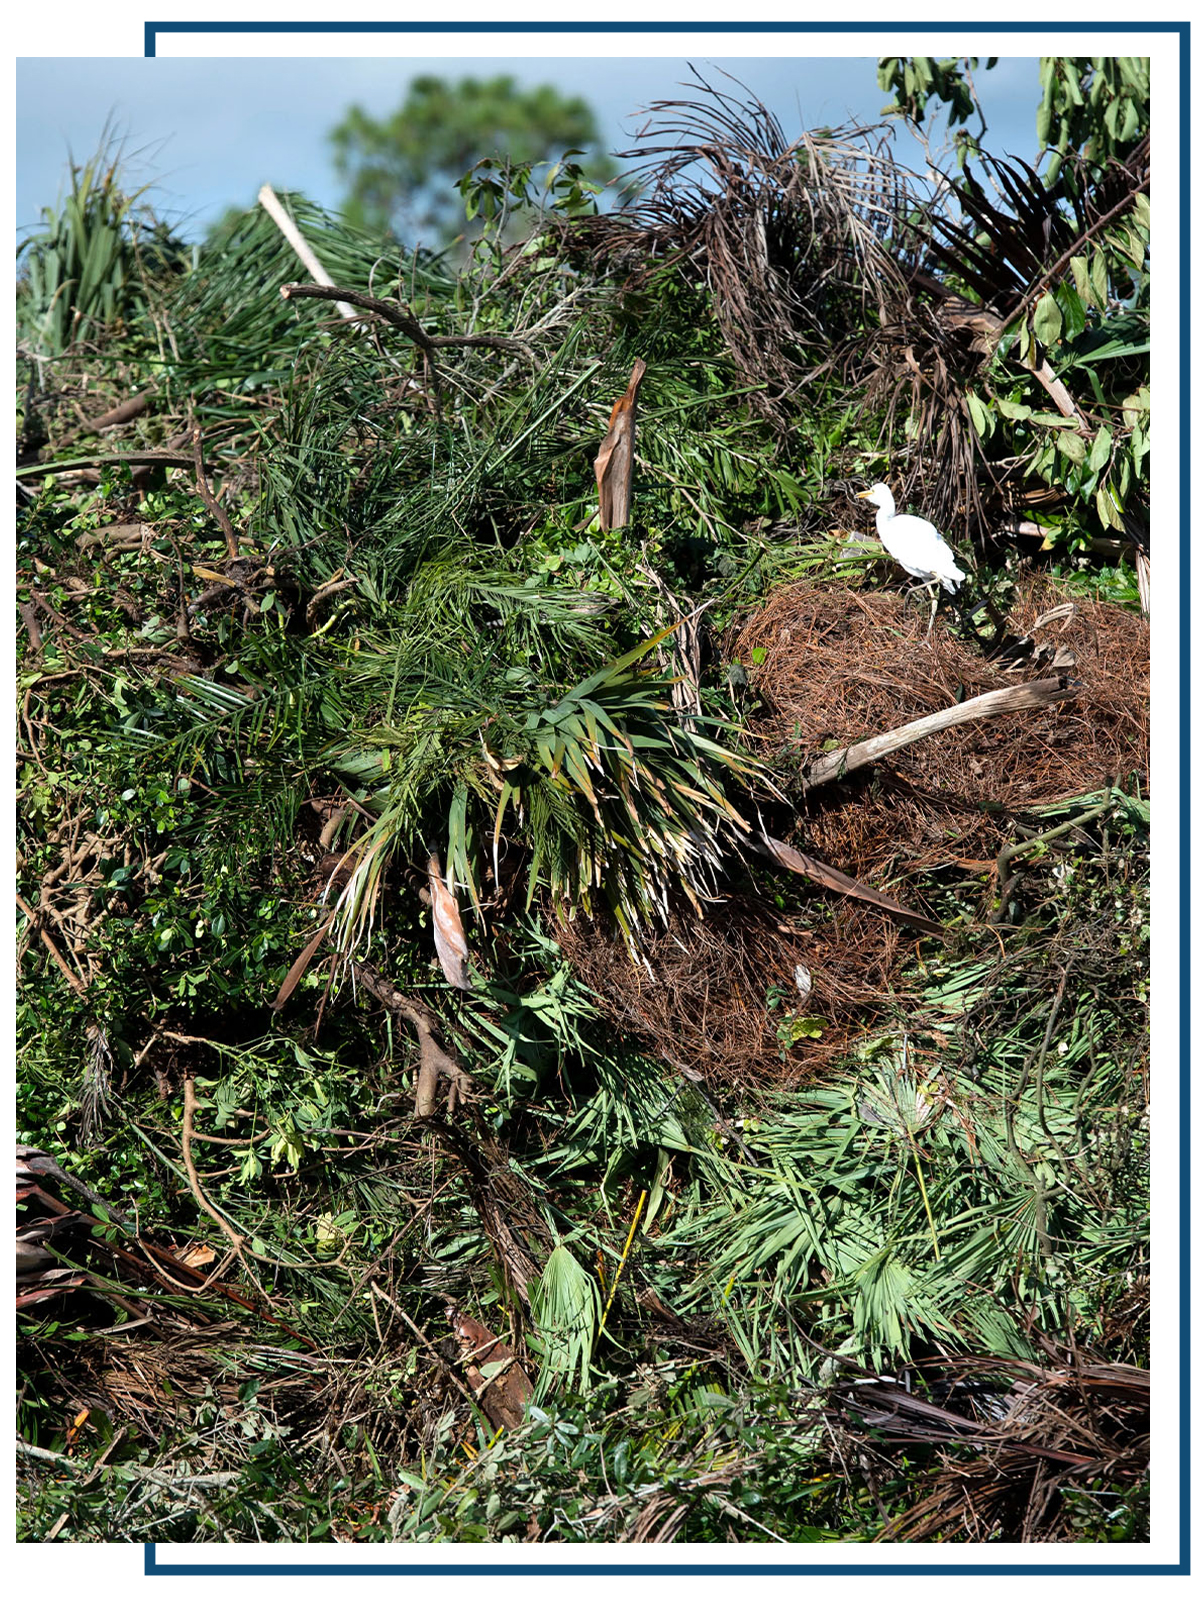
(1035,1432)
(788,235)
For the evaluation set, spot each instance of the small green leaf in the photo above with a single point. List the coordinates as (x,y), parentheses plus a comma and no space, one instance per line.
(980,415)
(1047,320)
(1072,446)
(1073,309)
(1109,511)
(1101,450)
(1100,280)
(1083,282)
(1014,410)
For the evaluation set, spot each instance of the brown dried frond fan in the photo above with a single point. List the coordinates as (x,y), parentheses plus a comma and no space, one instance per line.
(785,233)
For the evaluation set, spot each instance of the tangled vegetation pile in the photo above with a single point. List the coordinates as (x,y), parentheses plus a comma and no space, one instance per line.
(531,1074)
(833,666)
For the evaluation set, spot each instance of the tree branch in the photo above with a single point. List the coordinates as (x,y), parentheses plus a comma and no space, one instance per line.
(427,343)
(1020,697)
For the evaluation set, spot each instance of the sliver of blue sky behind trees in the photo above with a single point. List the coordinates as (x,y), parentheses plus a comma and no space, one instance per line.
(207,132)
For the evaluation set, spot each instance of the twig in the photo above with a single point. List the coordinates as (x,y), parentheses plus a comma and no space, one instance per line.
(427,343)
(202,1200)
(239,1244)
(428,1343)
(269,200)
(35,922)
(215,508)
(434,1060)
(125,412)
(30,620)
(1011,851)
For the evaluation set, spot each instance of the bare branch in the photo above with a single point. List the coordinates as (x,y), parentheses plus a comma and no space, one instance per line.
(1021,697)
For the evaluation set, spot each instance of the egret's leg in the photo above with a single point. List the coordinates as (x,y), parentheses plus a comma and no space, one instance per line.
(933,594)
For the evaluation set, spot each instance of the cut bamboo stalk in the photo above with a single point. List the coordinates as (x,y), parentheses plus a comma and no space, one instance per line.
(269,201)
(1020,697)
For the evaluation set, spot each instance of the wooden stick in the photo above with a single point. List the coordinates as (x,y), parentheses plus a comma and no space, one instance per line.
(216,509)
(125,412)
(269,201)
(183,1484)
(427,343)
(1020,697)
(202,1200)
(36,922)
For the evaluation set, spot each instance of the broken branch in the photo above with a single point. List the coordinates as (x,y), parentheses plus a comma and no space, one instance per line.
(434,1060)
(1020,697)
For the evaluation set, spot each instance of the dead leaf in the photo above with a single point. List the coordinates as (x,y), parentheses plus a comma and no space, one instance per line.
(614,464)
(497,1379)
(300,966)
(831,878)
(197,1255)
(448,934)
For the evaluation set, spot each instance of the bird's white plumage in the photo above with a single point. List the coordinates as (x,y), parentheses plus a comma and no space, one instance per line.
(913,542)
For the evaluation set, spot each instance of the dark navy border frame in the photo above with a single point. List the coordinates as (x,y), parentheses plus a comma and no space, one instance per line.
(1183,30)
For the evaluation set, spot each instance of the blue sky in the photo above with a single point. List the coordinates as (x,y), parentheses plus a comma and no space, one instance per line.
(209,132)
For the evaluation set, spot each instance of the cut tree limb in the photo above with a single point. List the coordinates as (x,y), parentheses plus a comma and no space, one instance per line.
(1020,697)
(34,920)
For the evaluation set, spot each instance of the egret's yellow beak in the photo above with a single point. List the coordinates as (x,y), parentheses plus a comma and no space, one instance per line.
(863,494)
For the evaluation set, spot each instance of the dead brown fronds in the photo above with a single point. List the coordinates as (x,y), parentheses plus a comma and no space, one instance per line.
(1032,1436)
(833,666)
(789,235)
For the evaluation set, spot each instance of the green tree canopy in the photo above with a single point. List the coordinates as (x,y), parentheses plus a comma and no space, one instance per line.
(400,170)
(1098,106)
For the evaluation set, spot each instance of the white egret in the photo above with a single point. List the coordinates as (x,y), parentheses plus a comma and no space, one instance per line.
(915,544)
